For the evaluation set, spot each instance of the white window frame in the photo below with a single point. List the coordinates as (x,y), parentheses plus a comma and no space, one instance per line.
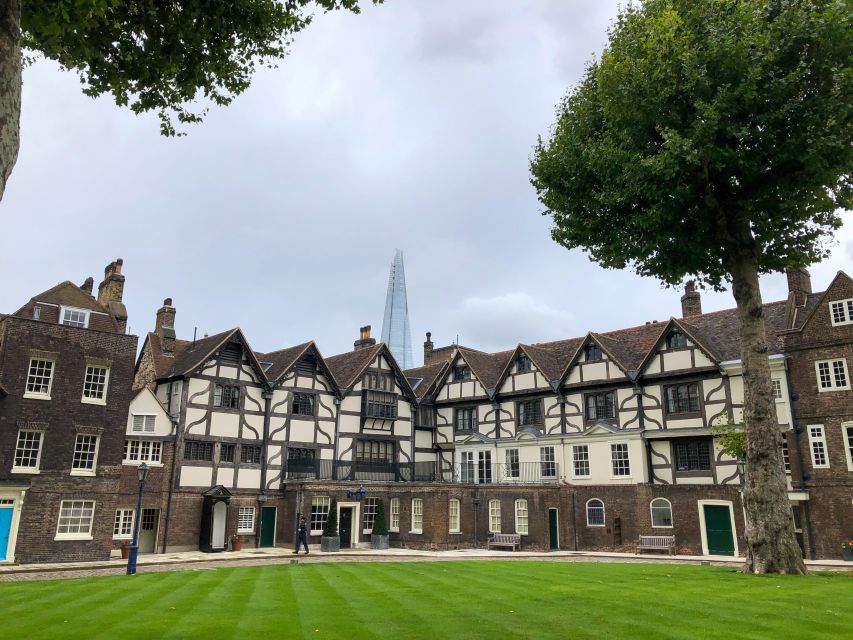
(77,535)
(368,511)
(318,501)
(120,522)
(613,446)
(39,395)
(543,450)
(417,515)
(588,461)
(832,382)
(652,514)
(394,515)
(150,459)
(454,515)
(817,438)
(79,471)
(846,312)
(86,313)
(146,425)
(522,517)
(848,443)
(244,515)
(603,513)
(37,468)
(90,400)
(494,516)
(776,389)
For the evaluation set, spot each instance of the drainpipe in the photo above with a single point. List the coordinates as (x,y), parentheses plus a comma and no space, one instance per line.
(266,394)
(574,524)
(792,398)
(174,423)
(338,403)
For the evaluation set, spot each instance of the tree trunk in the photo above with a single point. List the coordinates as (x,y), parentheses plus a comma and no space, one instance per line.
(10,88)
(771,544)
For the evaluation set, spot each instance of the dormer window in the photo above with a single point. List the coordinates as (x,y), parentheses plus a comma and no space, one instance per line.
(306,366)
(841,312)
(461,372)
(231,354)
(675,340)
(523,363)
(592,352)
(72,317)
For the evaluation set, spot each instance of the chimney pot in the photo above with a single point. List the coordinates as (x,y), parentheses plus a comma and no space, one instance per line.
(691,301)
(364,339)
(428,348)
(167,302)
(88,285)
(164,327)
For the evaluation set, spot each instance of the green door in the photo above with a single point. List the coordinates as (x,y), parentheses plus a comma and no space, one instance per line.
(268,527)
(552,529)
(718,530)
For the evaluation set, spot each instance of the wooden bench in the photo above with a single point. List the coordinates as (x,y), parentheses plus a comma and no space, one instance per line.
(656,543)
(505,540)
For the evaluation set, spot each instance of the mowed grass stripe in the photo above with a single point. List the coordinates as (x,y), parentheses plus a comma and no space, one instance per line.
(409,601)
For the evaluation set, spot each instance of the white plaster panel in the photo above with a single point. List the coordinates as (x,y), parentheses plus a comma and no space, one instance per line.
(256,423)
(210,368)
(711,392)
(194,415)
(257,401)
(423,439)
(350,424)
(327,454)
(302,430)
(196,476)
(247,374)
(685,423)
(676,360)
(404,409)
(351,403)
(228,372)
(701,359)
(224,424)
(146,403)
(201,387)
(654,365)
(249,479)
(225,476)
(595,371)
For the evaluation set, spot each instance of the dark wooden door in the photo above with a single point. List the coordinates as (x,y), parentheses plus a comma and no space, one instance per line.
(552,530)
(345,527)
(268,527)
(718,530)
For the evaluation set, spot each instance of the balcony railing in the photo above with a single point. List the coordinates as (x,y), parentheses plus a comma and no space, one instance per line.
(463,473)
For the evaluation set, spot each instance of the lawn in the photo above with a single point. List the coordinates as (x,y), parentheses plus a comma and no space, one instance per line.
(460,600)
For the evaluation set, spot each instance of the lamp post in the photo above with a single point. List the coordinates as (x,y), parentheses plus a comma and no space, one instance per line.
(476,517)
(142,473)
(262,498)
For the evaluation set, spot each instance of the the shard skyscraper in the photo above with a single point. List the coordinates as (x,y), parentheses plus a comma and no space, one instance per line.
(395,324)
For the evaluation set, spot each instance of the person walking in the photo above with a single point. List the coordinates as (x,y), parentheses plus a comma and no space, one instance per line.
(302,535)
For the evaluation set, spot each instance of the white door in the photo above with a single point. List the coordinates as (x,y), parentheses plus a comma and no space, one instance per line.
(217,538)
(148,530)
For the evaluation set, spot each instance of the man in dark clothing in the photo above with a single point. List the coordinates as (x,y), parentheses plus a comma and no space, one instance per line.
(302,535)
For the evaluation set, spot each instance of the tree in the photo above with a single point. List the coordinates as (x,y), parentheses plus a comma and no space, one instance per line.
(713,140)
(151,55)
(330,527)
(380,524)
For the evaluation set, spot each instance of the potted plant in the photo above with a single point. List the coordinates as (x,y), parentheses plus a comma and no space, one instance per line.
(125,549)
(236,543)
(330,540)
(847,550)
(379,534)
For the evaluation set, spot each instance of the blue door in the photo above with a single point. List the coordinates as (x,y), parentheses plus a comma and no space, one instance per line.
(5,531)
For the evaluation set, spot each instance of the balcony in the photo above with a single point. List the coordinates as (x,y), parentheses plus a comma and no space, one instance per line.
(517,473)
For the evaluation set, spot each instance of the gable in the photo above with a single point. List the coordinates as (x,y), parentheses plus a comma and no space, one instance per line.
(602,366)
(452,388)
(824,322)
(677,349)
(522,373)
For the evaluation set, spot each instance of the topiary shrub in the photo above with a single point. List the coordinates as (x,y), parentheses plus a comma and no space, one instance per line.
(330,528)
(380,525)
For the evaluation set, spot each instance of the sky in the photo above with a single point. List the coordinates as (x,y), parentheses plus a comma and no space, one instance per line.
(407,127)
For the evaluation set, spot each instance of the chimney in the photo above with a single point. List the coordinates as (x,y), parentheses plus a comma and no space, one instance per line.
(364,340)
(87,285)
(165,327)
(110,293)
(428,346)
(799,284)
(691,301)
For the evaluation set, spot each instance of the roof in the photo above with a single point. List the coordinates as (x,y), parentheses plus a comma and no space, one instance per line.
(163,362)
(488,367)
(282,360)
(427,375)
(194,354)
(69,294)
(348,367)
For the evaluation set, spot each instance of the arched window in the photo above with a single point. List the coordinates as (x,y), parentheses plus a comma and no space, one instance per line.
(521,516)
(594,513)
(675,339)
(661,513)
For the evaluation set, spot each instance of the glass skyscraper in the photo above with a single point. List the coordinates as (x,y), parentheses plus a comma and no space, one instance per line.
(395,324)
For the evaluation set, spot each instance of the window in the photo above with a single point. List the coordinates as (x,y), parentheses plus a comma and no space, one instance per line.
(675,340)
(693,454)
(246,520)
(301,457)
(417,515)
(777,388)
(453,515)
(530,412)
(143,423)
(848,440)
(841,312)
(306,365)
(226,452)
(149,451)
(123,526)
(319,512)
(601,406)
(39,378)
(580,461)
(250,454)
(484,467)
(370,506)
(461,372)
(380,404)
(27,451)
(592,352)
(661,513)
(379,381)
(786,458)
(832,375)
(620,460)
(494,516)
(817,445)
(226,397)
(594,513)
(231,354)
(466,418)
(467,465)
(513,469)
(521,516)
(303,404)
(197,450)
(548,462)
(523,363)
(394,510)
(85,454)
(682,398)
(95,384)
(75,520)
(374,451)
(74,317)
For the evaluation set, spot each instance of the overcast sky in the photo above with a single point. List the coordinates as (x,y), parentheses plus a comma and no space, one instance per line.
(409,126)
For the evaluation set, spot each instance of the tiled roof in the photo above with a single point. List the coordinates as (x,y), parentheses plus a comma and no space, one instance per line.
(283,359)
(163,362)
(70,295)
(427,376)
(194,354)
(486,366)
(630,346)
(347,367)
